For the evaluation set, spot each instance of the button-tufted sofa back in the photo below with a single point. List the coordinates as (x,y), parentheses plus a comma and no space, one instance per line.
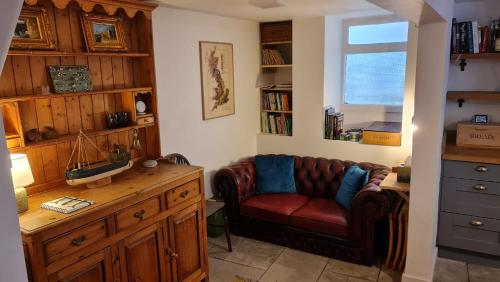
(318,177)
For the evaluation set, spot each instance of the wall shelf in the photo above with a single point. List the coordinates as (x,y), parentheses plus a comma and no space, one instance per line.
(473,56)
(276,89)
(20,98)
(276,66)
(276,43)
(452,152)
(462,96)
(74,54)
(275,111)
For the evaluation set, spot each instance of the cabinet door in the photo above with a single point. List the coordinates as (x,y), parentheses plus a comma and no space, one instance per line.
(186,243)
(142,256)
(95,268)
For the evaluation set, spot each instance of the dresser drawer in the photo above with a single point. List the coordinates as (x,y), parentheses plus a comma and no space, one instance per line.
(137,213)
(75,240)
(476,171)
(472,197)
(469,233)
(145,119)
(183,193)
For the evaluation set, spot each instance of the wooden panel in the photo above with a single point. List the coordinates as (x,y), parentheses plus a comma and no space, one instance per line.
(75,240)
(76,28)
(137,213)
(43,114)
(63,155)
(22,75)
(90,150)
(107,72)
(7,84)
(27,111)
(112,140)
(128,72)
(64,34)
(123,139)
(95,268)
(98,107)
(86,112)
(102,144)
(142,257)
(38,73)
(74,116)
(59,115)
(95,72)
(118,78)
(183,193)
(50,163)
(36,165)
(109,103)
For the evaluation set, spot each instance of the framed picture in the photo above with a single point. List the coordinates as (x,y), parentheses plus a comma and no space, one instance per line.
(217,79)
(32,30)
(103,33)
(481,119)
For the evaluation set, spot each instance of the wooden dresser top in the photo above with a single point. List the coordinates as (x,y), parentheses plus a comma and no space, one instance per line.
(125,186)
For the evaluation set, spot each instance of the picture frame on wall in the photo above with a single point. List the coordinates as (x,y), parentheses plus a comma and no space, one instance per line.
(103,33)
(217,79)
(32,30)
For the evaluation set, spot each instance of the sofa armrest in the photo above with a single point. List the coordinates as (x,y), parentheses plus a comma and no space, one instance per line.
(369,205)
(236,183)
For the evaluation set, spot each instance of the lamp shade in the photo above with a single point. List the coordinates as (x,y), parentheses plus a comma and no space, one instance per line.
(20,170)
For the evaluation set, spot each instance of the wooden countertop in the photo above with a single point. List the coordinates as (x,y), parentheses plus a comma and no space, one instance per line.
(453,153)
(129,184)
(390,182)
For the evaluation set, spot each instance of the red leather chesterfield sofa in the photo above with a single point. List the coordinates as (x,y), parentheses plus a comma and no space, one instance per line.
(310,220)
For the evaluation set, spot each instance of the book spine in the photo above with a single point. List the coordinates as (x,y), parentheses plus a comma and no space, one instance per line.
(462,30)
(475,37)
(470,38)
(454,46)
(485,40)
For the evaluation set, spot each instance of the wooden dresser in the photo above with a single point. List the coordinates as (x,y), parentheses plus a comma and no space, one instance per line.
(148,225)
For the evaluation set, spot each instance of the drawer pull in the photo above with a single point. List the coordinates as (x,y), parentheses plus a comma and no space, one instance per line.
(140,214)
(479,187)
(184,194)
(481,168)
(172,254)
(476,223)
(78,241)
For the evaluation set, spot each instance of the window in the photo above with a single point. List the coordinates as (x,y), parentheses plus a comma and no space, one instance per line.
(374,62)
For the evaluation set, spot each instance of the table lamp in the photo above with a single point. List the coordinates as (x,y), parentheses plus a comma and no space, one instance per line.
(21,177)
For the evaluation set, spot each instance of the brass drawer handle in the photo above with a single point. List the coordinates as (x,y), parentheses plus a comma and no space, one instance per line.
(140,214)
(172,254)
(78,241)
(476,223)
(481,168)
(184,194)
(479,187)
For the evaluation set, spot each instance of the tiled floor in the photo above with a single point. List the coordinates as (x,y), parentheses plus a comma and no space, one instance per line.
(253,260)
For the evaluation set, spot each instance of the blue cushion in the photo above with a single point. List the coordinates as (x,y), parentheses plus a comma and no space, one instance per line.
(354,180)
(275,174)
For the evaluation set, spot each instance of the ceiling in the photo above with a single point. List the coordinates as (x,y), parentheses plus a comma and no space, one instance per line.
(296,8)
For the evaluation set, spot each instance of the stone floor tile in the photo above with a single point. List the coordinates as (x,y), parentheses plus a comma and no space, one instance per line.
(388,275)
(221,240)
(328,276)
(447,270)
(369,273)
(479,273)
(248,252)
(293,265)
(225,271)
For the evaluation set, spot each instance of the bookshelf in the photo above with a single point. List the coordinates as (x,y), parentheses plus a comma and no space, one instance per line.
(276,106)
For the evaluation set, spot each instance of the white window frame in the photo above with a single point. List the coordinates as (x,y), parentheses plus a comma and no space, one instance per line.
(368,48)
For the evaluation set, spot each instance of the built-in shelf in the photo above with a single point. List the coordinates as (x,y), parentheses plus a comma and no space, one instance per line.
(473,56)
(452,152)
(72,137)
(8,99)
(276,66)
(462,96)
(276,89)
(276,111)
(275,134)
(276,43)
(74,54)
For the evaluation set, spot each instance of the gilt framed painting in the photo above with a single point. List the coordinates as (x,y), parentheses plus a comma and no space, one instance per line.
(32,30)
(217,79)
(103,33)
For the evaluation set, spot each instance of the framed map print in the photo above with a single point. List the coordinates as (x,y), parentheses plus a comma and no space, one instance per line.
(217,79)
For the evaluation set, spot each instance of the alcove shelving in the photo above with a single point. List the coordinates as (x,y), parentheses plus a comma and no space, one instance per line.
(117,79)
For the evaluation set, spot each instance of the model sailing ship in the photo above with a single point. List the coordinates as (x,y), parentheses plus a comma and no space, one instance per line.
(98,173)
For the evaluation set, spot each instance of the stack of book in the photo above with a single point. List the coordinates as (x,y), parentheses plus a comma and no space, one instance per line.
(276,101)
(333,124)
(272,57)
(276,123)
(469,37)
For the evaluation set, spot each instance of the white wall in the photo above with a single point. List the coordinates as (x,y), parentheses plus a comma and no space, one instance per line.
(12,267)
(479,75)
(217,142)
(316,82)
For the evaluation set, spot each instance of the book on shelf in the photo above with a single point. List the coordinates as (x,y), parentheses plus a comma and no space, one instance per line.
(333,123)
(272,57)
(276,101)
(276,123)
(469,37)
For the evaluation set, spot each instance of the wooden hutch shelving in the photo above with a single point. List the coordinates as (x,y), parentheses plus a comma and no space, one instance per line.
(277,36)
(117,78)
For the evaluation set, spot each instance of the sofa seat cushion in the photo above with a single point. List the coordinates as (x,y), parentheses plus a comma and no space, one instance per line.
(275,208)
(324,216)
